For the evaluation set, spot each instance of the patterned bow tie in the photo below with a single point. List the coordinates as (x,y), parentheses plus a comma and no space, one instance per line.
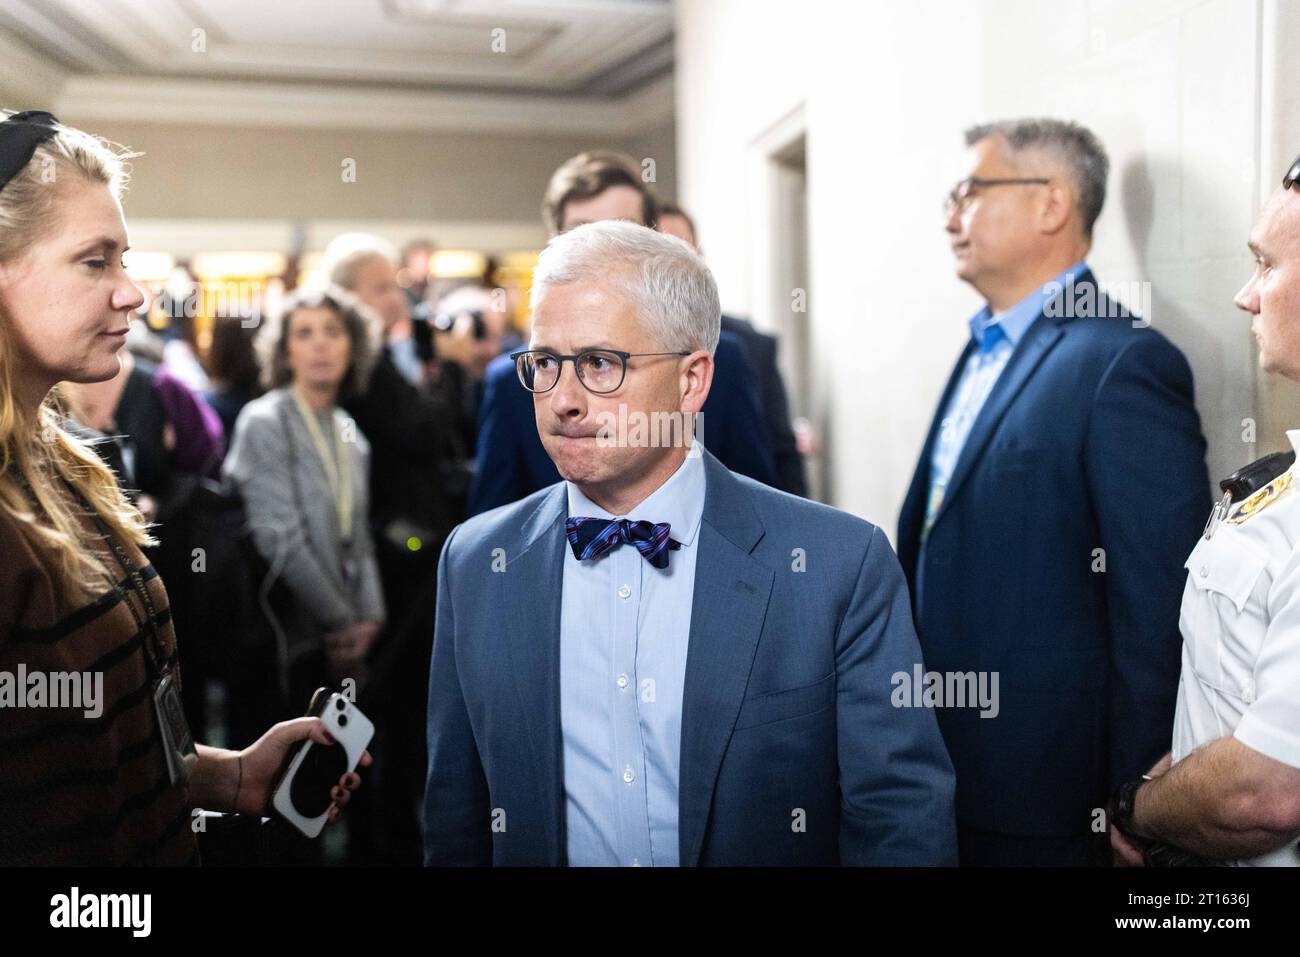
(592,537)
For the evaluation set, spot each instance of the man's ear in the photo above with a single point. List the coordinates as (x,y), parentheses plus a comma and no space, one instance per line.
(696,379)
(1057,206)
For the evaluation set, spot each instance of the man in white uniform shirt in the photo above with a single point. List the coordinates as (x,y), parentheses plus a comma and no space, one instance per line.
(1230,788)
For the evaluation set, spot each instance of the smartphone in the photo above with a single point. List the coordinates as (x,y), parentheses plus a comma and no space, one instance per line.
(310,771)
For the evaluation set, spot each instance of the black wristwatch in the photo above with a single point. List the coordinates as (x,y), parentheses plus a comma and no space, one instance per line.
(1122,804)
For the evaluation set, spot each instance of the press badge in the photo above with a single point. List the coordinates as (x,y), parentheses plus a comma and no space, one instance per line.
(178,742)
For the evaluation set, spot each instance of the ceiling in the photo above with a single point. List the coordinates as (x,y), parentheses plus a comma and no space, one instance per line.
(584,64)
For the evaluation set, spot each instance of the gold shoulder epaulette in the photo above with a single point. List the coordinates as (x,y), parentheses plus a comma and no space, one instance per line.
(1262,498)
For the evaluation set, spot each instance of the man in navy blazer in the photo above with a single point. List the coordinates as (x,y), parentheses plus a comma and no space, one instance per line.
(1061,486)
(657,661)
(510,461)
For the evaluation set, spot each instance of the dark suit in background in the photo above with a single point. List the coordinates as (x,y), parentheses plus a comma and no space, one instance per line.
(511,462)
(1089,440)
(776,409)
(413,435)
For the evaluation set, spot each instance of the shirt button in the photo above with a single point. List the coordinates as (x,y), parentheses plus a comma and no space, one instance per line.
(622,681)
(628,776)
(624,592)
(1204,572)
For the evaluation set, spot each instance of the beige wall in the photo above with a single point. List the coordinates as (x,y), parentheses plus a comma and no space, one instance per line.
(1172,88)
(250,183)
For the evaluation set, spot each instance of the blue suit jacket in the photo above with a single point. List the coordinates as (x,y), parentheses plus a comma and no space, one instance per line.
(786,701)
(511,461)
(762,349)
(1089,440)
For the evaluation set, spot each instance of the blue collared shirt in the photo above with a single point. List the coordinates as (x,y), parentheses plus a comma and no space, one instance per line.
(996,337)
(624,630)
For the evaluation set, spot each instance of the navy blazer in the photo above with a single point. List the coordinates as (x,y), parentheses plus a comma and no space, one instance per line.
(786,703)
(511,461)
(762,349)
(1088,441)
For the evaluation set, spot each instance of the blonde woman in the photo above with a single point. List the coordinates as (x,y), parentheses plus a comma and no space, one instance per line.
(97,767)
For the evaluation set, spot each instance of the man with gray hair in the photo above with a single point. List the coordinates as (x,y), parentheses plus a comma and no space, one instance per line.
(1060,487)
(656,661)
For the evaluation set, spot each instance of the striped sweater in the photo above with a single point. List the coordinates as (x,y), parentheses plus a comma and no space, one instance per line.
(78,788)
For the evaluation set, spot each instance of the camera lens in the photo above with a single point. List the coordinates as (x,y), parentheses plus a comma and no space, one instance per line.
(343,721)
(340,704)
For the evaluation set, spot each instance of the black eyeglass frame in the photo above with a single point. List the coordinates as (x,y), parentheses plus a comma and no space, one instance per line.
(623,357)
(1292,176)
(961,193)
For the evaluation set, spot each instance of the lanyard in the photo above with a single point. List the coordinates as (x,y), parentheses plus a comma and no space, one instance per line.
(155,653)
(153,646)
(338,472)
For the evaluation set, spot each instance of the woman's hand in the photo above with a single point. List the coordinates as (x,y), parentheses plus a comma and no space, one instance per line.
(261,759)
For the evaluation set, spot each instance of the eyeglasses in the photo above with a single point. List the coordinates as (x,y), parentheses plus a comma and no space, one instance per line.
(599,370)
(1292,175)
(965,191)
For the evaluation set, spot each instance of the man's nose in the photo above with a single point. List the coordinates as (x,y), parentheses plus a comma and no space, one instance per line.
(1247,298)
(568,396)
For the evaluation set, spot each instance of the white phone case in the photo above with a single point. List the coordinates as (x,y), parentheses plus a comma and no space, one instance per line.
(353,731)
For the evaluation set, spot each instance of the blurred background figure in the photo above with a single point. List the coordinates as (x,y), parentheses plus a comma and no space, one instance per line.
(301,465)
(179,303)
(234,377)
(411,410)
(762,348)
(413,276)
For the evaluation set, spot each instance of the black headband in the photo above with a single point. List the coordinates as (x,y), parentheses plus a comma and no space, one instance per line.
(20,134)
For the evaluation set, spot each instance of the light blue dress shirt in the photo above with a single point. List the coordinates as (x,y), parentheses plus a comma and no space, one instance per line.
(997,336)
(624,629)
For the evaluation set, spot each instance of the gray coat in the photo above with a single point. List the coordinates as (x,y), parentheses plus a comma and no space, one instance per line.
(274,465)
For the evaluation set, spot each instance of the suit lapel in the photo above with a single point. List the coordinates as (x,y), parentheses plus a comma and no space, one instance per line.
(532,617)
(1039,339)
(728,608)
(913,513)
